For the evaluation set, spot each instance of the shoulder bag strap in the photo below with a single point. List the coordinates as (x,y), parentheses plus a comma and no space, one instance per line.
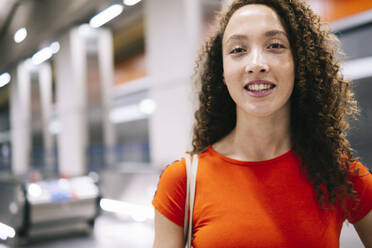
(191,171)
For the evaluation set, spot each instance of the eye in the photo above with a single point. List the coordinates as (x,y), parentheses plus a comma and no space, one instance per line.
(237,50)
(276,45)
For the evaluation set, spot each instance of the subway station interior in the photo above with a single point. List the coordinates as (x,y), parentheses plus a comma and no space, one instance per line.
(97,98)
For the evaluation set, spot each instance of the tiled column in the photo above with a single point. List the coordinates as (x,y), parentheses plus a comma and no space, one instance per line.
(172,40)
(71,103)
(20,119)
(45,81)
(84,77)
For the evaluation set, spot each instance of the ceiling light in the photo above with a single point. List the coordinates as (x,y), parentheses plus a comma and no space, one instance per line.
(131,2)
(42,55)
(20,35)
(106,15)
(4,79)
(55,47)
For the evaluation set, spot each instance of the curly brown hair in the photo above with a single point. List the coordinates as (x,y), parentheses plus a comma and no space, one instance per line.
(321,101)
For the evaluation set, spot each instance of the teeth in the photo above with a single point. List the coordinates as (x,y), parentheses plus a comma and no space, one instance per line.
(258,87)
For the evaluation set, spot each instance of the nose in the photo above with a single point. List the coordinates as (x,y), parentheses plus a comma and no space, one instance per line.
(256,62)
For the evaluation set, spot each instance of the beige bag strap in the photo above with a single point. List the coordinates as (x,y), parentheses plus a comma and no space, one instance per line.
(191,171)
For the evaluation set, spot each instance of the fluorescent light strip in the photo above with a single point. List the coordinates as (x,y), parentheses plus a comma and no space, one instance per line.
(106,15)
(137,212)
(357,68)
(55,47)
(42,55)
(20,35)
(4,79)
(131,2)
(45,53)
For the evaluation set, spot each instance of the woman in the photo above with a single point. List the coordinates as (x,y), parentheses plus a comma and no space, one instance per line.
(275,167)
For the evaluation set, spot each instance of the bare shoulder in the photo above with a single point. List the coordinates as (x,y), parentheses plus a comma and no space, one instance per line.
(167,233)
(168,202)
(364,229)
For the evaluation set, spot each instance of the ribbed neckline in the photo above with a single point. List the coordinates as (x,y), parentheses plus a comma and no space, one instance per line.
(250,163)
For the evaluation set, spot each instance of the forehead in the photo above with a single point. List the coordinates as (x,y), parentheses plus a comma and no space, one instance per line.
(253,18)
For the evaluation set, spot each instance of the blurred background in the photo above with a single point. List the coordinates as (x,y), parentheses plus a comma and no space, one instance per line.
(96,98)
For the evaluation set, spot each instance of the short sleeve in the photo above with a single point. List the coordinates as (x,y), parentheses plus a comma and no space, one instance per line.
(169,198)
(363,185)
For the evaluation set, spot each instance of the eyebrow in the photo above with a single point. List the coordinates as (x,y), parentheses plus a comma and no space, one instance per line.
(267,34)
(275,32)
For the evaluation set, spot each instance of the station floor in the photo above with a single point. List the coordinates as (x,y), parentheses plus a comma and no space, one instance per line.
(109,232)
(113,231)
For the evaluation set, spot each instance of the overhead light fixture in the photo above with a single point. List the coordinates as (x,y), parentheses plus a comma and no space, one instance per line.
(131,2)
(55,47)
(20,35)
(4,79)
(106,15)
(45,53)
(42,55)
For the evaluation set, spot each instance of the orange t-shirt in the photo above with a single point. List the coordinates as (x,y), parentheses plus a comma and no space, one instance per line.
(255,204)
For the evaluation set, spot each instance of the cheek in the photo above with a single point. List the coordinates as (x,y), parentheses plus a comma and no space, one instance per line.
(291,73)
(286,68)
(230,70)
(230,74)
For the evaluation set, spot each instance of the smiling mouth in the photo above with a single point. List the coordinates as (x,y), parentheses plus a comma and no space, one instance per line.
(259,85)
(255,87)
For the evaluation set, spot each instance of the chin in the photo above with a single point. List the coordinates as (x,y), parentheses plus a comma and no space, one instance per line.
(257,113)
(265,111)
(262,114)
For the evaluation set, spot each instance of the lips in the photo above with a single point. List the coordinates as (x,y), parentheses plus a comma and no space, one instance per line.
(259,85)
(259,88)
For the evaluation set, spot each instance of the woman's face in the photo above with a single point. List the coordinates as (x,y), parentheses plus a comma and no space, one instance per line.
(257,61)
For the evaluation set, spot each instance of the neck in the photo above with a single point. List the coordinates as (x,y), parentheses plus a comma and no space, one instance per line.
(257,138)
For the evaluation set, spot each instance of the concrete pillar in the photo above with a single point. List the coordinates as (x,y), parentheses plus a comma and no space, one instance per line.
(37,143)
(173,33)
(71,103)
(45,81)
(106,72)
(85,72)
(20,119)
